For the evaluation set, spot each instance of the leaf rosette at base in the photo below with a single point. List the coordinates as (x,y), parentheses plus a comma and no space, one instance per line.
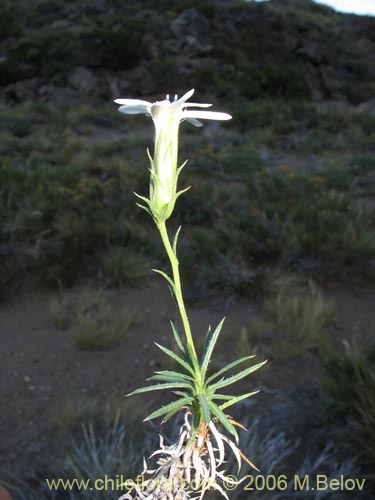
(196,391)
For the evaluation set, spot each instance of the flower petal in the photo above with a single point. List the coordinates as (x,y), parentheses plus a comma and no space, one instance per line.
(198,105)
(135,110)
(181,100)
(132,102)
(194,122)
(207,115)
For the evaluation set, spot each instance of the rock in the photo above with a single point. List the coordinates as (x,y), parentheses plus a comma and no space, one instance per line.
(114,87)
(368,107)
(138,78)
(60,96)
(191,32)
(83,80)
(22,90)
(190,22)
(47,90)
(333,80)
(312,52)
(290,42)
(95,7)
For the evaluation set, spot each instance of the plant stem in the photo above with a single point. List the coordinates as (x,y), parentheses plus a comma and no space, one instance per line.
(178,293)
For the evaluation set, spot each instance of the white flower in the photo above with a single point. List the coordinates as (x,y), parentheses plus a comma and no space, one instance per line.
(167,117)
(161,111)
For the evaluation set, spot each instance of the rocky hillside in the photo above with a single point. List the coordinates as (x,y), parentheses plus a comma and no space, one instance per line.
(68,50)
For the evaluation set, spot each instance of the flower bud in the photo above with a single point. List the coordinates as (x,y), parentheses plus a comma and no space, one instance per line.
(167,117)
(164,171)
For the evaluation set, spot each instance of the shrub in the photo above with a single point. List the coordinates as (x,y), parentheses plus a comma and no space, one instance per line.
(113,49)
(18,126)
(46,53)
(333,227)
(9,21)
(275,81)
(261,112)
(165,71)
(300,218)
(50,53)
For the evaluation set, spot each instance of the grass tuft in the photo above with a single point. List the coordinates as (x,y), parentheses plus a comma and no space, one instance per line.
(349,383)
(123,267)
(92,319)
(299,322)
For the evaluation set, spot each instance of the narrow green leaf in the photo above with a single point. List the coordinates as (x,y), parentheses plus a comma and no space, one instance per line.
(223,419)
(228,367)
(194,428)
(166,277)
(220,397)
(205,409)
(209,347)
(170,415)
(177,338)
(176,358)
(235,378)
(237,399)
(163,378)
(156,387)
(169,408)
(182,394)
(171,375)
(175,239)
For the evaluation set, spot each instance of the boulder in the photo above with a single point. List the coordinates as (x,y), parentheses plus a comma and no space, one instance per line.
(190,22)
(23,90)
(311,51)
(333,80)
(138,78)
(191,31)
(83,80)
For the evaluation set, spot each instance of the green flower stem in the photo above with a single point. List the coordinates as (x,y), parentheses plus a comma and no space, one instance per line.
(178,294)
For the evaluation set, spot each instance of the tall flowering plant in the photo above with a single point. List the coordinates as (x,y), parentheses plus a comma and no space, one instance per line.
(208,431)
